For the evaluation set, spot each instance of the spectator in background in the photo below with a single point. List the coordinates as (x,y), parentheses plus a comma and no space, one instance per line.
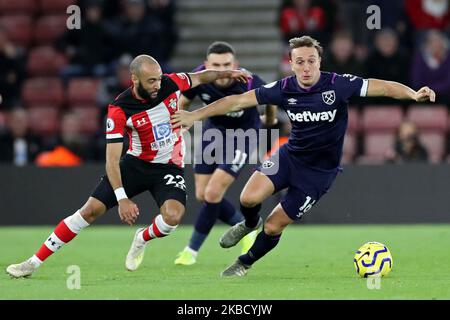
(303,19)
(330,9)
(407,146)
(70,146)
(395,18)
(110,8)
(111,86)
(148,30)
(341,58)
(87,48)
(10,71)
(428,14)
(18,146)
(352,16)
(431,65)
(163,12)
(388,60)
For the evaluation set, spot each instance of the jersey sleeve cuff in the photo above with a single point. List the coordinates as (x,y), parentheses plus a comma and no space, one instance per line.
(364,87)
(189,79)
(115,138)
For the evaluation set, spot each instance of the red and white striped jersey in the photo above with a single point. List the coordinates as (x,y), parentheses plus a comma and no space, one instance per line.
(151,137)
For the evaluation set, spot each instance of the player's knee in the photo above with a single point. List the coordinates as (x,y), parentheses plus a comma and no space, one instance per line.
(91,211)
(213,195)
(249,200)
(200,195)
(272,228)
(173,216)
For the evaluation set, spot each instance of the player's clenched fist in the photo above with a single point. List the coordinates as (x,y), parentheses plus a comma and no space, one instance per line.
(128,211)
(425,94)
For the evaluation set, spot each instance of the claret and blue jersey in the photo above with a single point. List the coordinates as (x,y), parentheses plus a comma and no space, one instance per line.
(318,114)
(308,164)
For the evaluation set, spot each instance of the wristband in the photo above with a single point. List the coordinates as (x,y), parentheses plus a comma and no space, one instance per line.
(120,194)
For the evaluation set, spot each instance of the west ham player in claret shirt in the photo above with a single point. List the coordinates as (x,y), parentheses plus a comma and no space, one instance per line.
(153,162)
(316,103)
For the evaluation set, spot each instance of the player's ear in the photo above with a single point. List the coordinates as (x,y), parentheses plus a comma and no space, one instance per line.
(135,79)
(235,64)
(292,65)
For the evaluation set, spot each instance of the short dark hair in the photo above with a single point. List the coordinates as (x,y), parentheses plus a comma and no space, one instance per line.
(220,47)
(305,41)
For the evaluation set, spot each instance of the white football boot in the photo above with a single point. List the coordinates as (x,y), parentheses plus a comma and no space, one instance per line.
(136,253)
(21,270)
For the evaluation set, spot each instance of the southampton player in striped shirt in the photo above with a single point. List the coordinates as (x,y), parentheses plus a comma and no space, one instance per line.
(153,162)
(316,103)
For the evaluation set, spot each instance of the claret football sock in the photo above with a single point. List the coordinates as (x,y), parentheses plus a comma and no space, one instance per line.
(158,229)
(64,232)
(263,244)
(251,215)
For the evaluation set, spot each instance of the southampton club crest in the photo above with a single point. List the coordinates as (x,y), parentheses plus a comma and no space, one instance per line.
(329,97)
(173,104)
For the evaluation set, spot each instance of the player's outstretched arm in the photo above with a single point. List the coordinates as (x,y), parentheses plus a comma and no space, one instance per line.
(207,76)
(392,89)
(227,104)
(184,103)
(128,210)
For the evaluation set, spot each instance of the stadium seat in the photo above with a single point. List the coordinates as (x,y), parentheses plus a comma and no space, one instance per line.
(2,120)
(82,90)
(434,142)
(350,148)
(45,61)
(376,147)
(353,120)
(41,90)
(381,119)
(25,7)
(44,120)
(49,28)
(55,6)
(18,28)
(88,115)
(429,118)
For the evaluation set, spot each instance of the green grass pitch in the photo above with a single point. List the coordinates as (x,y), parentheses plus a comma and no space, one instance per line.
(310,262)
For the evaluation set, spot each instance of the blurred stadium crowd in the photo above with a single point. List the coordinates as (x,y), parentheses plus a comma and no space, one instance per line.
(55,83)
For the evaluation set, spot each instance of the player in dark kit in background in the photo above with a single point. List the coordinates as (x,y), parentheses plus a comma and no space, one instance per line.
(154,161)
(316,103)
(213,180)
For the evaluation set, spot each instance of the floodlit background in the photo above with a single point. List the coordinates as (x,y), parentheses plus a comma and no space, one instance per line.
(64,79)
